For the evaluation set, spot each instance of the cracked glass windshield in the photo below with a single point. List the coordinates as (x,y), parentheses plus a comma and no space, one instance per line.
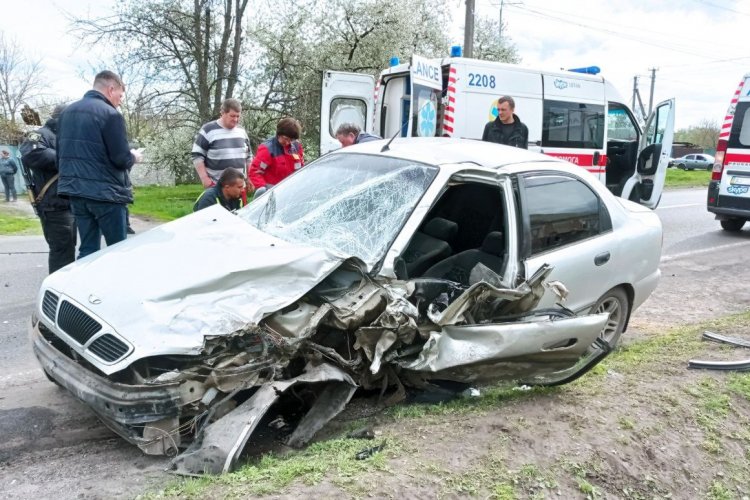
(351,204)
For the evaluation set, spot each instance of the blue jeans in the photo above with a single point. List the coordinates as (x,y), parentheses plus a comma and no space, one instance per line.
(96,219)
(10,186)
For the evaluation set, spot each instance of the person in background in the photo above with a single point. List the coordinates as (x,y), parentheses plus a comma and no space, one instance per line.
(349,133)
(94,160)
(278,157)
(221,144)
(8,169)
(507,127)
(39,155)
(227,192)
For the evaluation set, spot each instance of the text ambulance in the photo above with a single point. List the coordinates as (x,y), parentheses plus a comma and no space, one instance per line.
(578,117)
(729,189)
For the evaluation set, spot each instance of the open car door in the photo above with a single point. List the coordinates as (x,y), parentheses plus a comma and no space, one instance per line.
(647,184)
(345,98)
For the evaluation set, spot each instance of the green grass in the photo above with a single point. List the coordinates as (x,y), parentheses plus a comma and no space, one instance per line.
(165,203)
(18,223)
(677,178)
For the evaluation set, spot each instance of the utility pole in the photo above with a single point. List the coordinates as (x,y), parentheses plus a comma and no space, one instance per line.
(500,27)
(637,96)
(635,90)
(469,29)
(651,97)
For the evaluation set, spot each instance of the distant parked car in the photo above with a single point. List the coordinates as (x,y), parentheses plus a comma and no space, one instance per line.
(691,162)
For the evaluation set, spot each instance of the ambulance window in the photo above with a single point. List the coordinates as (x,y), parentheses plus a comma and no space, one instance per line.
(740,135)
(347,110)
(573,125)
(620,124)
(562,210)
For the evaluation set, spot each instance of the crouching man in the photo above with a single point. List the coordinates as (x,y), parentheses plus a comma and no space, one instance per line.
(227,193)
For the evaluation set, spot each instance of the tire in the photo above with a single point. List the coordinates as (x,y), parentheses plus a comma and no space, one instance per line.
(681,166)
(616,303)
(732,224)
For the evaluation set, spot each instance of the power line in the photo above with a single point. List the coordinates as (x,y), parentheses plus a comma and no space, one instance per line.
(711,4)
(535,13)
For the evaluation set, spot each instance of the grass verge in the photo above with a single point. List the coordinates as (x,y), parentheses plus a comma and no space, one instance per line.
(14,222)
(677,178)
(165,203)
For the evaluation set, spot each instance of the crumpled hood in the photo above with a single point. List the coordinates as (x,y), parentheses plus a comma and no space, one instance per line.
(209,273)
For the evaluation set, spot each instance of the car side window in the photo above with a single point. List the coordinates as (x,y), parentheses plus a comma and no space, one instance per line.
(562,210)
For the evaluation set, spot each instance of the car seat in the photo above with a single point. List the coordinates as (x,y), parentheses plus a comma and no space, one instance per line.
(458,267)
(429,246)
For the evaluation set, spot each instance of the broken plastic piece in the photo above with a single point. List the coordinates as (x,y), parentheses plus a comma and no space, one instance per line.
(368,452)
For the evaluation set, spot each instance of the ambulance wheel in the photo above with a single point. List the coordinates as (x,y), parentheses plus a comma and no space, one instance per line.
(732,224)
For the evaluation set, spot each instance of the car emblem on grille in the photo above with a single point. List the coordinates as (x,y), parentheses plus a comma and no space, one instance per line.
(94,299)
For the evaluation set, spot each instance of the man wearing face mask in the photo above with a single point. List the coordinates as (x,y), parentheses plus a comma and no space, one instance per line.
(94,160)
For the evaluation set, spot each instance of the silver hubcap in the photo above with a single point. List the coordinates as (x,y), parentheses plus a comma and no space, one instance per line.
(611,306)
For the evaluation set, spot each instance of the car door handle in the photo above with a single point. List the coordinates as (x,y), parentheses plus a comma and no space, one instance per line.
(602,258)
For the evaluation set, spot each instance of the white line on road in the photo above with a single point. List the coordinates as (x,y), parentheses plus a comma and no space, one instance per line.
(667,258)
(680,206)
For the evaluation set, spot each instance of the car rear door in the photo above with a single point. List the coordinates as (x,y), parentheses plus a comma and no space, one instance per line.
(345,98)
(567,225)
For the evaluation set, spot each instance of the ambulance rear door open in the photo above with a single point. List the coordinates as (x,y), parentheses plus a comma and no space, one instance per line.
(345,98)
(647,183)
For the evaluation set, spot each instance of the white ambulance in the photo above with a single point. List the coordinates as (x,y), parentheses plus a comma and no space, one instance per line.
(571,115)
(729,189)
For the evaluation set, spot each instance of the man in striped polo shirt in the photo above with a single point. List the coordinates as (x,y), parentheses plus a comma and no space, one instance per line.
(221,144)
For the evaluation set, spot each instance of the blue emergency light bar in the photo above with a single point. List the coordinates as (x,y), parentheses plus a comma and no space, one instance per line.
(589,70)
(395,61)
(456,51)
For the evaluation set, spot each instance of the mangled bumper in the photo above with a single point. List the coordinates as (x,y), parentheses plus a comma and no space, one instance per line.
(124,408)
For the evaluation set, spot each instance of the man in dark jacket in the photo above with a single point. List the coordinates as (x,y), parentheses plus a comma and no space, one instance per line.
(8,169)
(507,127)
(227,192)
(38,154)
(349,133)
(95,161)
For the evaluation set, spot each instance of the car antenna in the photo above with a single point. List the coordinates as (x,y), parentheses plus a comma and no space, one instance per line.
(386,147)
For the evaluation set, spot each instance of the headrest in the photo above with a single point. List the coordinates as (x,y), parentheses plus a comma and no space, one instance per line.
(442,229)
(494,243)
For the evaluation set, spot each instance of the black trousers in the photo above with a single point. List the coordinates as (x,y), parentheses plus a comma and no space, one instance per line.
(59,228)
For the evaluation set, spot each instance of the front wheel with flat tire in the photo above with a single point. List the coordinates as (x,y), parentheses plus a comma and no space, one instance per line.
(732,224)
(615,302)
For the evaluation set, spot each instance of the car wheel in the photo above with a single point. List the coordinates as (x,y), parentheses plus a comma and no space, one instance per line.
(615,303)
(732,224)
(681,166)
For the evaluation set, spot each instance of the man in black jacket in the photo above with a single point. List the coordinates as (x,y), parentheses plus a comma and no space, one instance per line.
(38,154)
(95,161)
(227,192)
(507,127)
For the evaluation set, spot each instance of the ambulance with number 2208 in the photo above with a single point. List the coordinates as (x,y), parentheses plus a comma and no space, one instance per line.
(573,115)
(729,189)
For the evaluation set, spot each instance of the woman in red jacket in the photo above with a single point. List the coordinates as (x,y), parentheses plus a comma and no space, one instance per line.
(278,157)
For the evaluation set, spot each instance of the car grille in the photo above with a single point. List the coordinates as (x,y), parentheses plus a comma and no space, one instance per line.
(734,202)
(49,304)
(108,347)
(76,323)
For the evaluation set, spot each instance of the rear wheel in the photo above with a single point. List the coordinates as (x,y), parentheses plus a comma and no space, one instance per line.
(615,303)
(732,224)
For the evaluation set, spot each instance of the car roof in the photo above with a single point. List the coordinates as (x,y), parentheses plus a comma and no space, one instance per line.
(444,150)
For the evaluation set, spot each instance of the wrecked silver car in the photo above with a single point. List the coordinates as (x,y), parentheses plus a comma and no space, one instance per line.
(435,260)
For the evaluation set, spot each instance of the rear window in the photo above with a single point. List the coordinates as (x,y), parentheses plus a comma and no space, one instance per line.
(740,136)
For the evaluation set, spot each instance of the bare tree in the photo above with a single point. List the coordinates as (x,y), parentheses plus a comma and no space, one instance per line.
(194,47)
(20,78)
(705,134)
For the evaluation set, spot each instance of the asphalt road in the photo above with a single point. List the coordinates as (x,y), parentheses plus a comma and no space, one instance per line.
(53,446)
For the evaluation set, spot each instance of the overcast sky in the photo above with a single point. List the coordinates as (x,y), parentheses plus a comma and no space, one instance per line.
(695,44)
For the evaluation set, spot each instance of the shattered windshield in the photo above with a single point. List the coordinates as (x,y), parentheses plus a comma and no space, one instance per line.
(351,204)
